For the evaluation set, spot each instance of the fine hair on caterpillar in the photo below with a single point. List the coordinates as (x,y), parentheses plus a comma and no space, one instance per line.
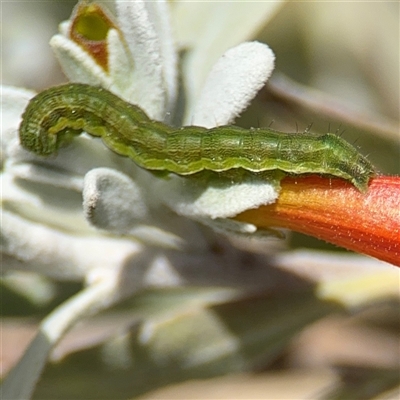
(56,115)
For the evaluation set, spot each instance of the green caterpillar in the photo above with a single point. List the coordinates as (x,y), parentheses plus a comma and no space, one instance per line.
(58,114)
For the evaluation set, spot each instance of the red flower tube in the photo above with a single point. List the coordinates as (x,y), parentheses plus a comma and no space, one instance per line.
(335,211)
